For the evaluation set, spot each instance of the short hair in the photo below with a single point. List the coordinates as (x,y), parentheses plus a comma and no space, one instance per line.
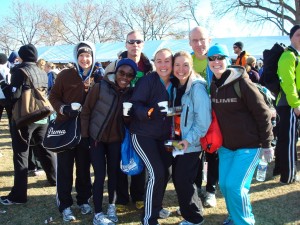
(133,32)
(202,29)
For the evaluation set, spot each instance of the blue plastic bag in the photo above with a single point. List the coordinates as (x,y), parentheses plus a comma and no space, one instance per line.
(131,163)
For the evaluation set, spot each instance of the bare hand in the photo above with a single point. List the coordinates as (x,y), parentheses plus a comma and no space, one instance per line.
(184,143)
(297,111)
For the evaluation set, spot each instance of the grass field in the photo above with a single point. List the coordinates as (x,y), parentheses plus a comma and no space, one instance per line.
(272,202)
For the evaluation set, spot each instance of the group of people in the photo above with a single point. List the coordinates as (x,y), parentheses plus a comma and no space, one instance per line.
(197,83)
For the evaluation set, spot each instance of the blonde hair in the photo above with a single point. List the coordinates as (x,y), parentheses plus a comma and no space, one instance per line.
(50,65)
(250,60)
(41,64)
(162,50)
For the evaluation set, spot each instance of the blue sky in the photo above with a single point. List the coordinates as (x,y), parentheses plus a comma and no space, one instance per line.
(228,27)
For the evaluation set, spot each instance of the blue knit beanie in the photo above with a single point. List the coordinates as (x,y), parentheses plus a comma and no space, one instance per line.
(218,50)
(129,62)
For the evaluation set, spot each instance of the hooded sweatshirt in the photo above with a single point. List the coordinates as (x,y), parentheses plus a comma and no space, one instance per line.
(245,122)
(69,85)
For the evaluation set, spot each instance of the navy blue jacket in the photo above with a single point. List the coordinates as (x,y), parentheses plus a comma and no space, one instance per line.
(148,91)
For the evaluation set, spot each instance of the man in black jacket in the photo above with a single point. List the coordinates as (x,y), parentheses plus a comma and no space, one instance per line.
(21,137)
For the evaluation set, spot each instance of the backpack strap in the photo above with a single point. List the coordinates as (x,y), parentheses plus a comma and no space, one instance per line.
(290,48)
(237,89)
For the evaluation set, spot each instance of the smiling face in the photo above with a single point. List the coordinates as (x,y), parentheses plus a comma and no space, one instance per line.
(217,66)
(85,60)
(163,63)
(124,76)
(182,69)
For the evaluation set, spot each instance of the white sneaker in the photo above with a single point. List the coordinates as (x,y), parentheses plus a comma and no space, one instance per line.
(164,213)
(100,219)
(210,200)
(111,213)
(178,211)
(68,215)
(85,209)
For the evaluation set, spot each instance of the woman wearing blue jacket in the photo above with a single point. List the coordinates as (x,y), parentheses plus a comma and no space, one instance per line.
(193,123)
(150,128)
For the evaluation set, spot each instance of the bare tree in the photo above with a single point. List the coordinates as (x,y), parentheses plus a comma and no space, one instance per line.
(154,18)
(84,20)
(262,11)
(22,26)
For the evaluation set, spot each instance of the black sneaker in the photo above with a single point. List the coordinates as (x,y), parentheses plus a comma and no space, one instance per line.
(5,201)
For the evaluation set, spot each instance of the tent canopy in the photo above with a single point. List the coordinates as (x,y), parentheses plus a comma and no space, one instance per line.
(108,51)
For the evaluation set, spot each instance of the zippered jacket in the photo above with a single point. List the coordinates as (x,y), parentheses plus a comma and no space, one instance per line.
(245,122)
(102,113)
(195,117)
(147,93)
(289,76)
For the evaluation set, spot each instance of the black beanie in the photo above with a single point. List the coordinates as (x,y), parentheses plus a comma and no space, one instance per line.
(84,48)
(293,30)
(3,58)
(239,44)
(28,53)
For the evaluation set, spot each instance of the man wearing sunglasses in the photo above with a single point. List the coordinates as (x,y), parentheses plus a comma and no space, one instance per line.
(241,60)
(134,45)
(199,40)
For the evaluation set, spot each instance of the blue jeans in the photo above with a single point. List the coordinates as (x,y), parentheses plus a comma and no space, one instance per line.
(236,169)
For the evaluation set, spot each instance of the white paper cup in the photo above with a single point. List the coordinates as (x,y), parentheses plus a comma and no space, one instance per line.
(164,104)
(126,108)
(76,106)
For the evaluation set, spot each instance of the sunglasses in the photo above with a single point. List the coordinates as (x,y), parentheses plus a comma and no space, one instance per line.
(131,42)
(218,57)
(234,46)
(121,73)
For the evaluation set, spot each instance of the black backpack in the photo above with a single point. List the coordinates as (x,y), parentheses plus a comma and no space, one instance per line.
(269,77)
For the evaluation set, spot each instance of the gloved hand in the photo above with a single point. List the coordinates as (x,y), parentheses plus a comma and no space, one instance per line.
(68,111)
(85,143)
(157,112)
(267,154)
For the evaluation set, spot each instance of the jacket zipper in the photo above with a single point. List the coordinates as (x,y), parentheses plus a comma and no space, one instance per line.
(106,119)
(187,113)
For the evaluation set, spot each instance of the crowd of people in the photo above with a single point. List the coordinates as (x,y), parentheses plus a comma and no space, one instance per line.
(197,83)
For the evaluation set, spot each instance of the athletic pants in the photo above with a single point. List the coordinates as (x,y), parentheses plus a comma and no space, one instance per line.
(212,171)
(236,169)
(286,150)
(105,156)
(137,187)
(20,145)
(158,163)
(185,168)
(64,181)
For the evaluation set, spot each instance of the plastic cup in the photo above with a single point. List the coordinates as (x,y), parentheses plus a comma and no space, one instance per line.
(126,108)
(76,106)
(164,104)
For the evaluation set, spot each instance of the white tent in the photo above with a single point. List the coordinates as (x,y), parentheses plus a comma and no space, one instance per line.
(108,51)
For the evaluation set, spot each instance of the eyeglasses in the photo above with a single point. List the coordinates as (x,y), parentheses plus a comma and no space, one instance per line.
(131,42)
(234,46)
(218,57)
(121,73)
